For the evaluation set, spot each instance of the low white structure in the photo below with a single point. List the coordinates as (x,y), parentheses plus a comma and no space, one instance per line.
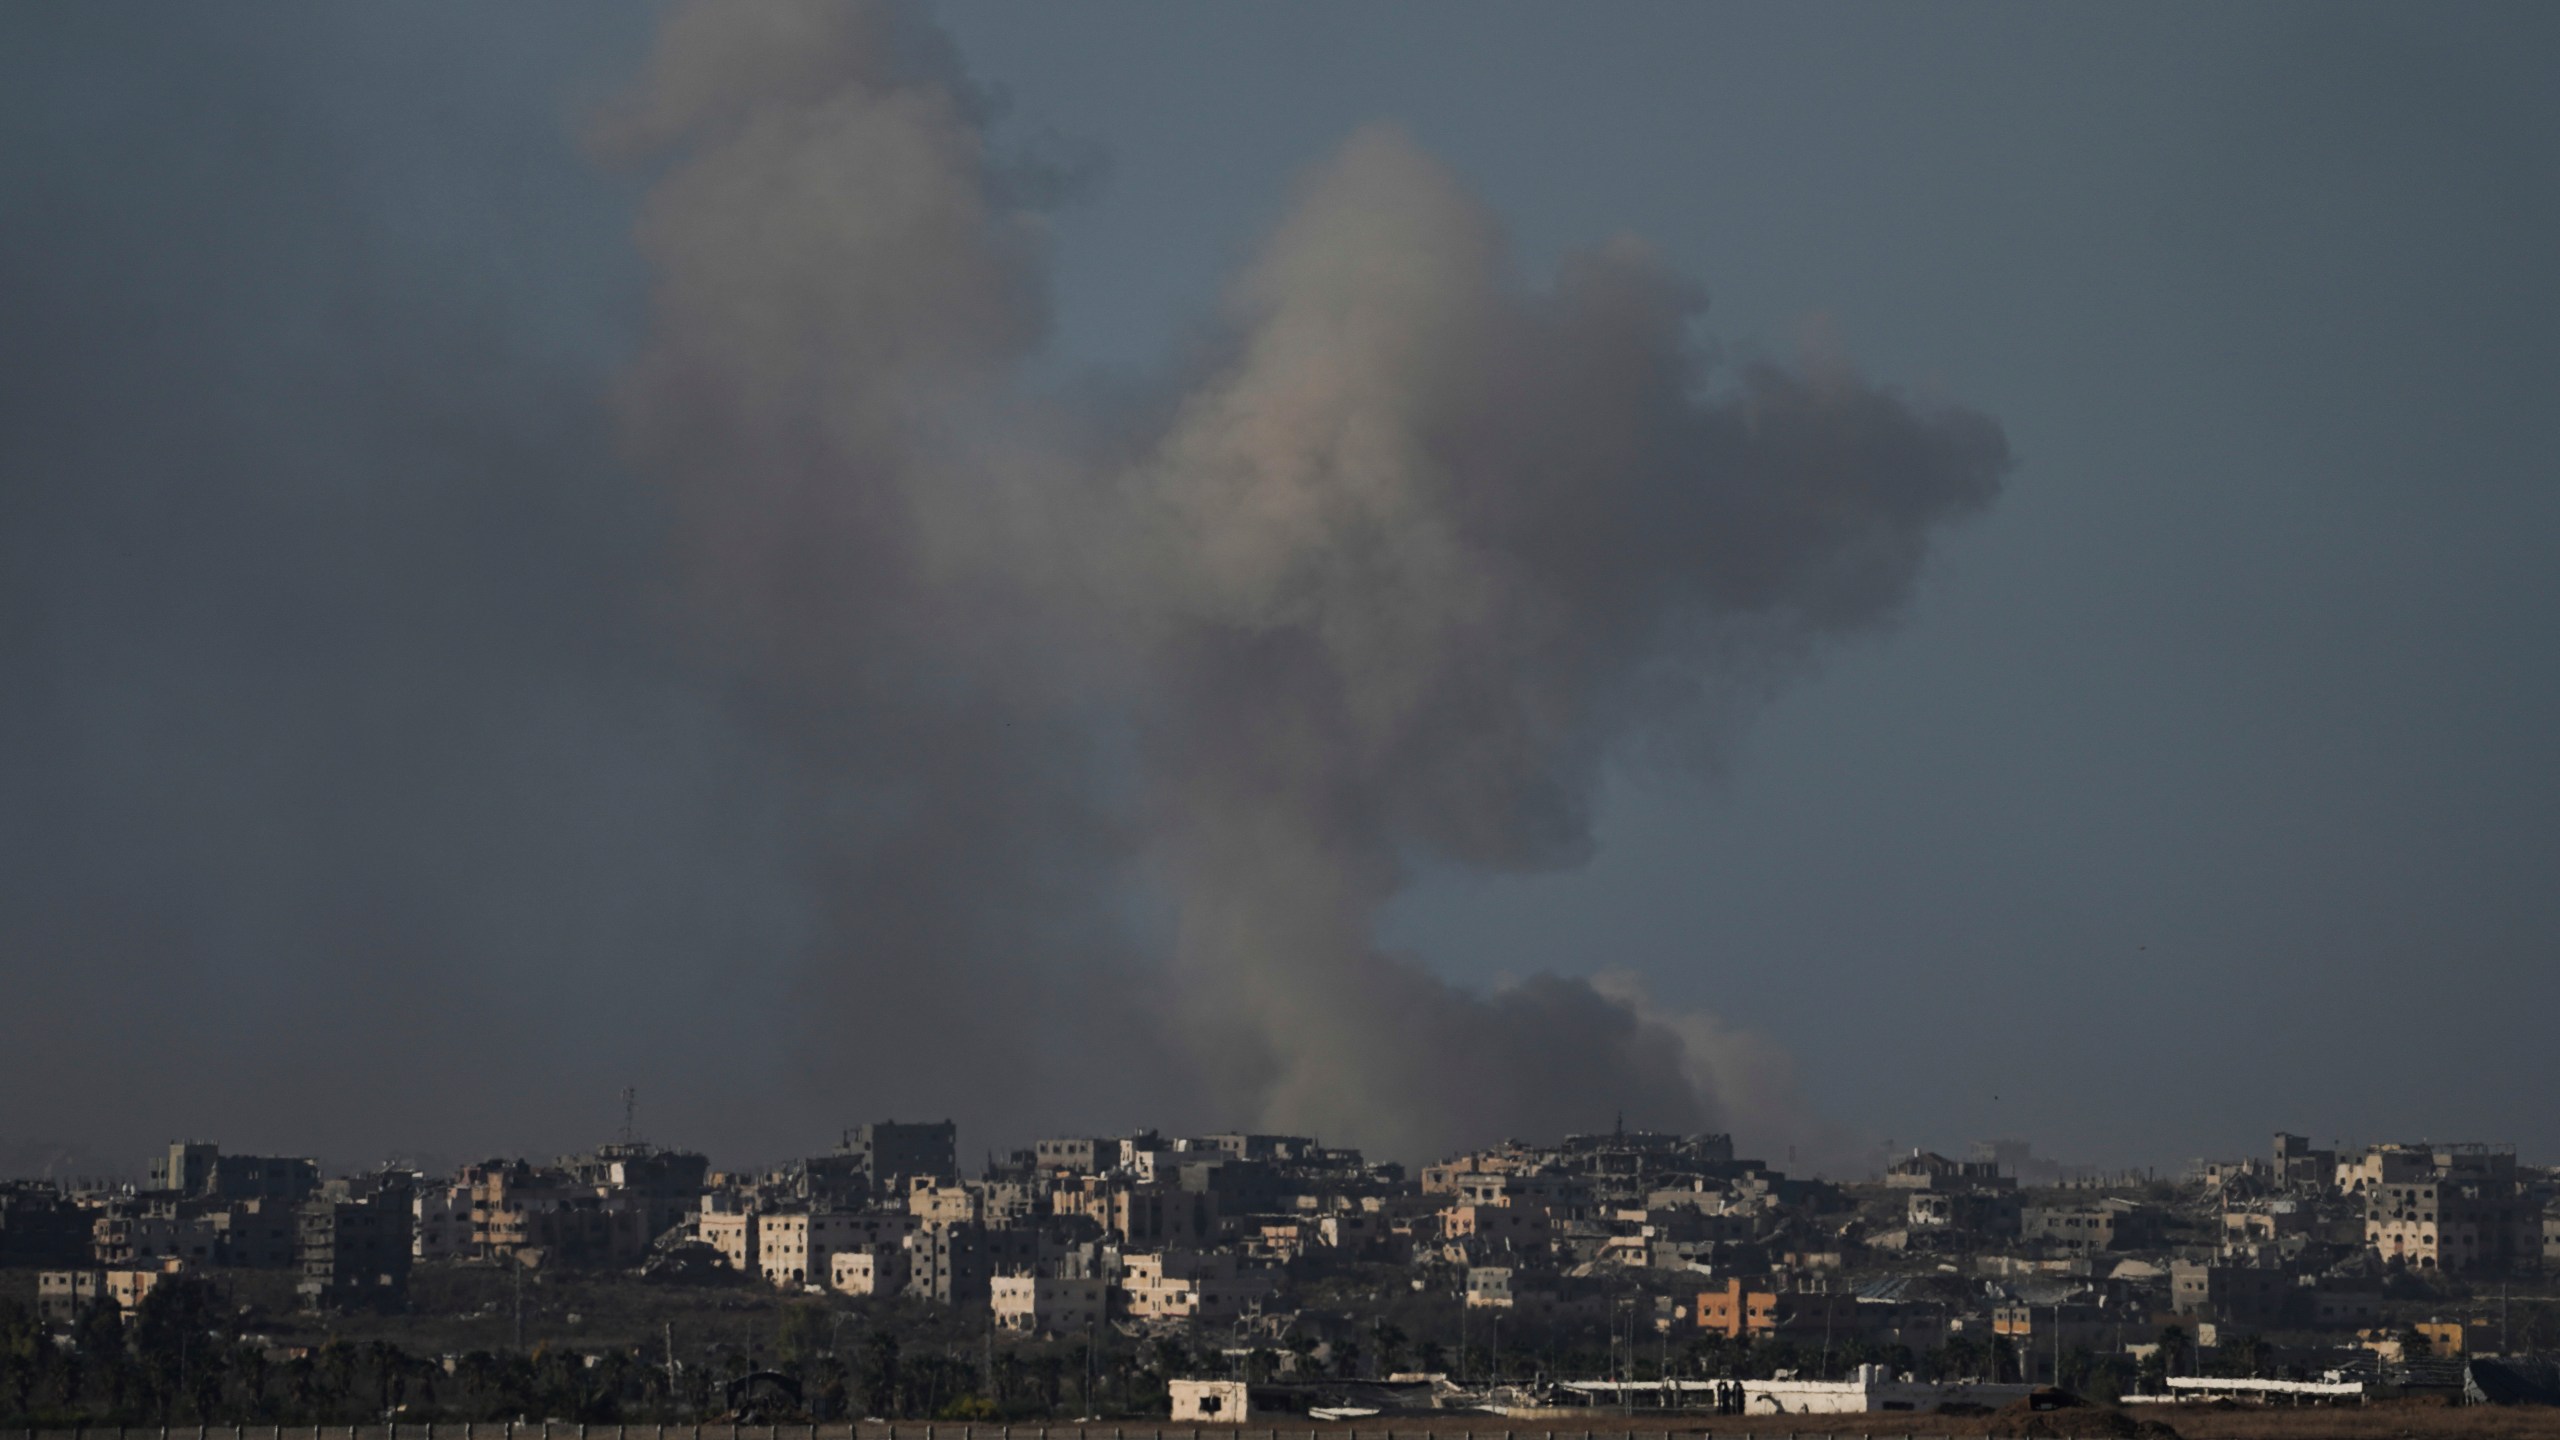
(2207,1387)
(1873,1390)
(1209,1402)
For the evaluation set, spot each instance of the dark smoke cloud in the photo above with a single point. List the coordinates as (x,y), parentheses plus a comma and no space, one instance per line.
(1422,551)
(430,709)
(1388,580)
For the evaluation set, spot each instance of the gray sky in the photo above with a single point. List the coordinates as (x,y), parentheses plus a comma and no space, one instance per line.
(360,790)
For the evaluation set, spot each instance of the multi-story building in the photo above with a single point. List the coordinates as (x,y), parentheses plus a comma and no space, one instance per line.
(139,1231)
(1514,1227)
(732,1232)
(1353,1230)
(2250,1297)
(2268,1222)
(356,1249)
(39,1225)
(1928,1170)
(2442,1207)
(63,1296)
(129,1285)
(196,1169)
(874,1270)
(1489,1287)
(1187,1286)
(440,1223)
(1155,1216)
(542,1217)
(262,1233)
(2463,1213)
(664,1186)
(1736,1311)
(1559,1196)
(1276,1148)
(934,1203)
(1974,1212)
(186,1168)
(2107,1225)
(2383,1166)
(887,1154)
(1082,1155)
(950,1264)
(797,1247)
(2300,1167)
(1047,1305)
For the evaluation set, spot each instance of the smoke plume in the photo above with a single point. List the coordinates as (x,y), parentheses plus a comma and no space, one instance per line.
(1383,577)
(494,610)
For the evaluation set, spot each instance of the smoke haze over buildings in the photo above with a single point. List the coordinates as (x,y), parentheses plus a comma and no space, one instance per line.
(391,738)
(1386,574)
(525,575)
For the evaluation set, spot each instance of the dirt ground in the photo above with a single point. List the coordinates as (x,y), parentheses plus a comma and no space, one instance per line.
(2387,1420)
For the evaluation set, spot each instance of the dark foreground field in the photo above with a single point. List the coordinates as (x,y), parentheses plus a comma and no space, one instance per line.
(2383,1421)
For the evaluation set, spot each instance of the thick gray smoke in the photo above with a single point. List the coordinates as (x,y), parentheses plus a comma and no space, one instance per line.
(493,609)
(1385,578)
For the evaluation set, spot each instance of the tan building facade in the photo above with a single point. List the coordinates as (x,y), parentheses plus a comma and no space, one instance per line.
(870,1270)
(1047,1305)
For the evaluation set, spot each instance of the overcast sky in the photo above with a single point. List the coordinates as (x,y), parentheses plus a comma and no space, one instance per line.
(2206,783)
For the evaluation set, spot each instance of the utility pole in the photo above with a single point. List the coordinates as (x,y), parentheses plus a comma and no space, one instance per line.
(671,1362)
(1462,1325)
(1826,1334)
(517,1264)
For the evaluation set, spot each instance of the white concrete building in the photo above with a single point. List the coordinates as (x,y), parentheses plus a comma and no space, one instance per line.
(1874,1390)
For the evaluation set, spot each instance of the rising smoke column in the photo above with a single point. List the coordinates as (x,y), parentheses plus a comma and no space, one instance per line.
(1426,546)
(1391,579)
(841,295)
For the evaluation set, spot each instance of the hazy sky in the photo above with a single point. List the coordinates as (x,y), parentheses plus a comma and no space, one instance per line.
(354,795)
